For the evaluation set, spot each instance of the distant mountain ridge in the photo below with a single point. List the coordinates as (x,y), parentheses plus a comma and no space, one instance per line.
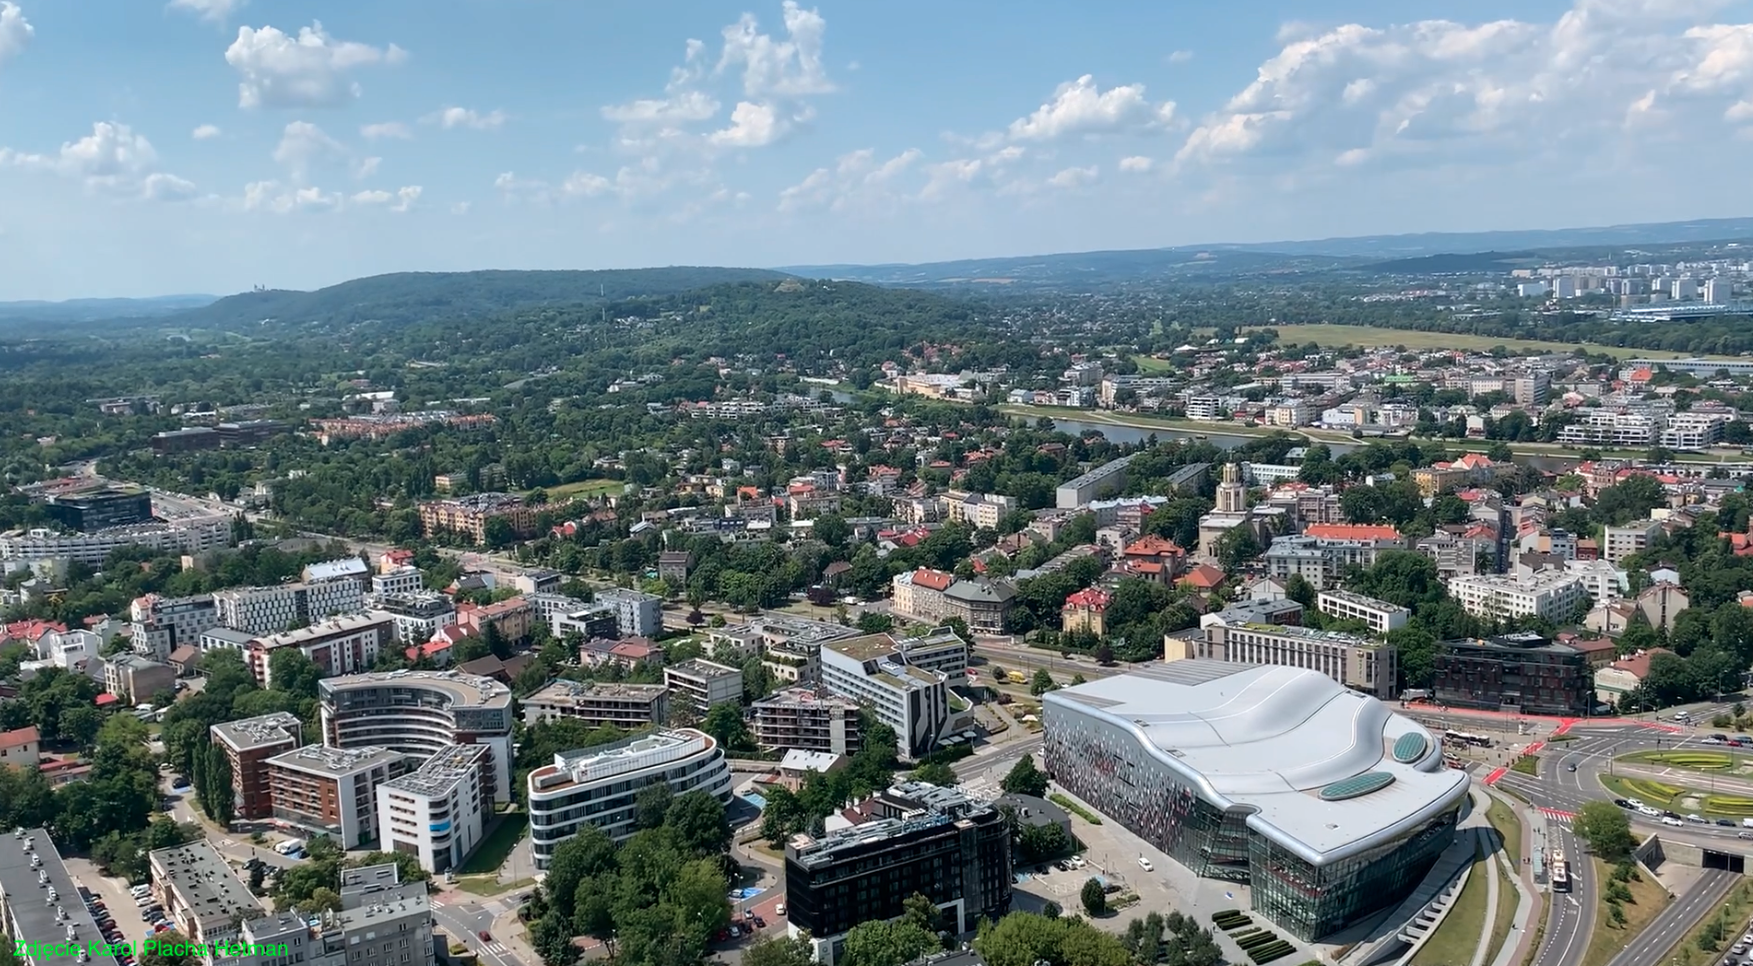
(82,310)
(416,296)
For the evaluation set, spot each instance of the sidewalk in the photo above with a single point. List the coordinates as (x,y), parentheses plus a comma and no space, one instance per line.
(1531,907)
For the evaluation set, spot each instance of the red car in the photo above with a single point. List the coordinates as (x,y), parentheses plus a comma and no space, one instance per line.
(486,936)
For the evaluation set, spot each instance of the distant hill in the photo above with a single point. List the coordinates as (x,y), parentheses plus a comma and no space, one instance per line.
(1073,270)
(84,310)
(1478,263)
(416,296)
(1608,236)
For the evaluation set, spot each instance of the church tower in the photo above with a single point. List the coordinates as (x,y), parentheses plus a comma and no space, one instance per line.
(1232,496)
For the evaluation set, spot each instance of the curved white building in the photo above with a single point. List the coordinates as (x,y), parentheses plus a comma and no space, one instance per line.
(599,786)
(1328,804)
(420,713)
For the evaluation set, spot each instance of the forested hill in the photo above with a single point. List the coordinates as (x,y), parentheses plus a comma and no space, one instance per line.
(417,296)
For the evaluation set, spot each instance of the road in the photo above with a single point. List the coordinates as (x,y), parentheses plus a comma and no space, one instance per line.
(1667,929)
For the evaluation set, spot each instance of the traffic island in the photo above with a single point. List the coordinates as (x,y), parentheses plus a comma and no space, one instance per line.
(1638,901)
(1680,798)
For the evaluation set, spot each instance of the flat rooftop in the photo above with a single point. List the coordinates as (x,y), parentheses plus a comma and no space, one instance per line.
(1285,742)
(870,647)
(466,690)
(335,762)
(272,728)
(565,693)
(204,883)
(442,772)
(630,754)
(38,919)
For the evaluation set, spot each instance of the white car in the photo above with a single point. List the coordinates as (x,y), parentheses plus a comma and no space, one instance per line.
(1634,803)
(1667,820)
(1646,810)
(1144,864)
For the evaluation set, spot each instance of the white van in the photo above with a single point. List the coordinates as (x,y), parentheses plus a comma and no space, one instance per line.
(289,847)
(1747,823)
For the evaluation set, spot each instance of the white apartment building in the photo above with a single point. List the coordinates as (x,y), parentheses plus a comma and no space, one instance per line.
(1380,615)
(405,579)
(1321,561)
(420,713)
(418,615)
(193,536)
(1204,407)
(437,812)
(978,510)
(159,625)
(1694,430)
(344,645)
(1353,661)
(1551,595)
(1601,580)
(1606,427)
(268,610)
(872,670)
(700,684)
(1617,543)
(600,786)
(629,706)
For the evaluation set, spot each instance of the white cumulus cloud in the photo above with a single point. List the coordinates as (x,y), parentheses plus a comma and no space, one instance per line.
(1082,107)
(1073,177)
(751,126)
(307,70)
(778,68)
(160,186)
(386,129)
(15,31)
(217,11)
(205,132)
(302,145)
(399,201)
(112,159)
(1136,164)
(455,117)
(855,180)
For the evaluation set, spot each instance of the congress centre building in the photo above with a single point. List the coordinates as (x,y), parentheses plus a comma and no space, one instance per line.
(1325,803)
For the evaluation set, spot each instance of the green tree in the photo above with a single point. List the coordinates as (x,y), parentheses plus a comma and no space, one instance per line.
(726,725)
(166,949)
(289,670)
(698,823)
(831,529)
(921,912)
(1606,829)
(935,773)
(1095,901)
(888,943)
(1046,841)
(1041,683)
(779,951)
(652,805)
(1025,779)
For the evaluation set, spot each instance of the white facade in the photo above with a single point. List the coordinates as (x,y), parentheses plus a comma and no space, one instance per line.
(420,713)
(193,536)
(1601,579)
(1718,291)
(912,700)
(159,625)
(701,684)
(345,645)
(267,610)
(1554,596)
(599,786)
(436,812)
(1617,543)
(636,614)
(1379,615)
(405,579)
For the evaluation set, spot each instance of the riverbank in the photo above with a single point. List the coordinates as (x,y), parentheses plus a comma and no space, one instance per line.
(1194,427)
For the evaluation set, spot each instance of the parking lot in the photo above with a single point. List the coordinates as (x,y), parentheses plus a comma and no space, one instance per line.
(113,894)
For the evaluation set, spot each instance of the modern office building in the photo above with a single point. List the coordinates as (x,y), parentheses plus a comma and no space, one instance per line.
(630,706)
(599,786)
(40,909)
(1355,662)
(699,684)
(203,898)
(1108,478)
(420,713)
(193,535)
(1553,595)
(874,671)
(94,506)
(332,791)
(1522,673)
(400,579)
(436,813)
(270,610)
(339,645)
(248,744)
(807,720)
(1326,803)
(1379,615)
(936,842)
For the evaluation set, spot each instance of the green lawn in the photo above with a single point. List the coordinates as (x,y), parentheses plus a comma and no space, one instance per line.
(1509,828)
(496,848)
(1506,912)
(584,488)
(1607,940)
(1733,912)
(1681,798)
(1149,364)
(1369,337)
(1455,940)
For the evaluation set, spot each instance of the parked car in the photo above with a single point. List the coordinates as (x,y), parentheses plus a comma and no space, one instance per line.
(1623,803)
(759,922)
(1144,864)
(1726,823)
(779,910)
(1671,821)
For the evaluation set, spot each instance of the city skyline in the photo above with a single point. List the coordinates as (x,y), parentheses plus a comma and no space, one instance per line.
(208,145)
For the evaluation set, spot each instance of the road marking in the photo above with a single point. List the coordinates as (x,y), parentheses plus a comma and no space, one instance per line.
(1556,814)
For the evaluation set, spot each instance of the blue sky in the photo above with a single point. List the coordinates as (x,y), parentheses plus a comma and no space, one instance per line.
(208,145)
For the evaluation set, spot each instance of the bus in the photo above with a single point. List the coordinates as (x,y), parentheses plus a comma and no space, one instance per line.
(1560,872)
(1463,738)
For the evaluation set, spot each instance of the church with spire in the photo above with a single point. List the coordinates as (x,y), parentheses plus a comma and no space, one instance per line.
(1233,511)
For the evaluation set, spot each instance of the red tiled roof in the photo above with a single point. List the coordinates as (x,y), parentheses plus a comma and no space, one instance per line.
(1204,576)
(1351,531)
(1094,598)
(1153,546)
(19,736)
(932,579)
(105,700)
(1639,664)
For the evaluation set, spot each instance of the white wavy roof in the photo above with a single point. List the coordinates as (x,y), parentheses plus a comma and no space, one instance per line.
(1271,738)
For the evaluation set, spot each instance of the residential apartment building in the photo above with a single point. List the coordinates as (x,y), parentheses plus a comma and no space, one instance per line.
(436,813)
(159,625)
(333,791)
(982,511)
(1085,612)
(1694,431)
(807,720)
(789,647)
(600,786)
(203,898)
(1549,594)
(1617,543)
(925,840)
(700,684)
(873,671)
(1523,673)
(340,645)
(1104,480)
(40,909)
(421,713)
(269,610)
(418,615)
(1356,662)
(934,596)
(1606,427)
(21,748)
(405,579)
(1323,561)
(628,706)
(136,680)
(469,515)
(1379,615)
(248,744)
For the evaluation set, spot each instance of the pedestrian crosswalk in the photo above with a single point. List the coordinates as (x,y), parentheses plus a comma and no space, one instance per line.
(982,787)
(1557,814)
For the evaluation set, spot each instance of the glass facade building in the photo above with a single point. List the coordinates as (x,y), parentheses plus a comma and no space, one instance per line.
(1235,813)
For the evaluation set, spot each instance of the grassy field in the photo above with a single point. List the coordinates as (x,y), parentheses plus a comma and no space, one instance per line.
(1705,760)
(1508,826)
(1454,940)
(1679,798)
(584,488)
(1506,912)
(1647,900)
(1368,337)
(1148,365)
(497,846)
